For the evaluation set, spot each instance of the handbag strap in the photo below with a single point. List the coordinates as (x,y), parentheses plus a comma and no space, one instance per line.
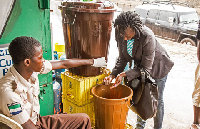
(146,74)
(142,75)
(142,86)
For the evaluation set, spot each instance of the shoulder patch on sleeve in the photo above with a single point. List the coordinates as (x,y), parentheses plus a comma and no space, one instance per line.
(14,108)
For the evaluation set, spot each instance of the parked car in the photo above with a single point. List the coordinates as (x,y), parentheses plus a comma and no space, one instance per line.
(170,21)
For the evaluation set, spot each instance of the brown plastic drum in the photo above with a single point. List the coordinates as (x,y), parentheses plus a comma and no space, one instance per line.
(87,28)
(111,106)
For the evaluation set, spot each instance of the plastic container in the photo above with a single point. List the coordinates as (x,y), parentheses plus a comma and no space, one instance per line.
(111,106)
(57,97)
(70,107)
(60,49)
(87,27)
(77,88)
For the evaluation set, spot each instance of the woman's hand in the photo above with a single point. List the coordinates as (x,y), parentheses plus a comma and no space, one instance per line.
(108,80)
(119,79)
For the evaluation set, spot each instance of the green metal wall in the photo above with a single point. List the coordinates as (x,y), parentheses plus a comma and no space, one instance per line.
(32,18)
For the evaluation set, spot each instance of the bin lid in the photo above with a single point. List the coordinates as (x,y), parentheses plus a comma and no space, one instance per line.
(90,7)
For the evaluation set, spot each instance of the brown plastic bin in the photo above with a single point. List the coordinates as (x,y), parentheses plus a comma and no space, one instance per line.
(111,106)
(87,28)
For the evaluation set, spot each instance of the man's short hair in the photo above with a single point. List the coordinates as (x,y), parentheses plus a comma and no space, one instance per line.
(22,48)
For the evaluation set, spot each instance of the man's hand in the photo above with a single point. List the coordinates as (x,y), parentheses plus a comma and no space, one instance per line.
(100,62)
(108,80)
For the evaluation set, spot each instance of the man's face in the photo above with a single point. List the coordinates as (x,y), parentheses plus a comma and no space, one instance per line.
(37,60)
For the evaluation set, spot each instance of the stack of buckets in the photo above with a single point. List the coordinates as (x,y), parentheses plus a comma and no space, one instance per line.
(87,27)
(76,93)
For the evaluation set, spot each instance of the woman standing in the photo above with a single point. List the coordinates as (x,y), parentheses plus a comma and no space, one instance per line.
(137,43)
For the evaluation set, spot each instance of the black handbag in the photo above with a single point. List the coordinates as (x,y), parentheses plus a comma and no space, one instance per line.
(145,95)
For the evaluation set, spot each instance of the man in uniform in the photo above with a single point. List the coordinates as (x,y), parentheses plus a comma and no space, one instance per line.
(19,88)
